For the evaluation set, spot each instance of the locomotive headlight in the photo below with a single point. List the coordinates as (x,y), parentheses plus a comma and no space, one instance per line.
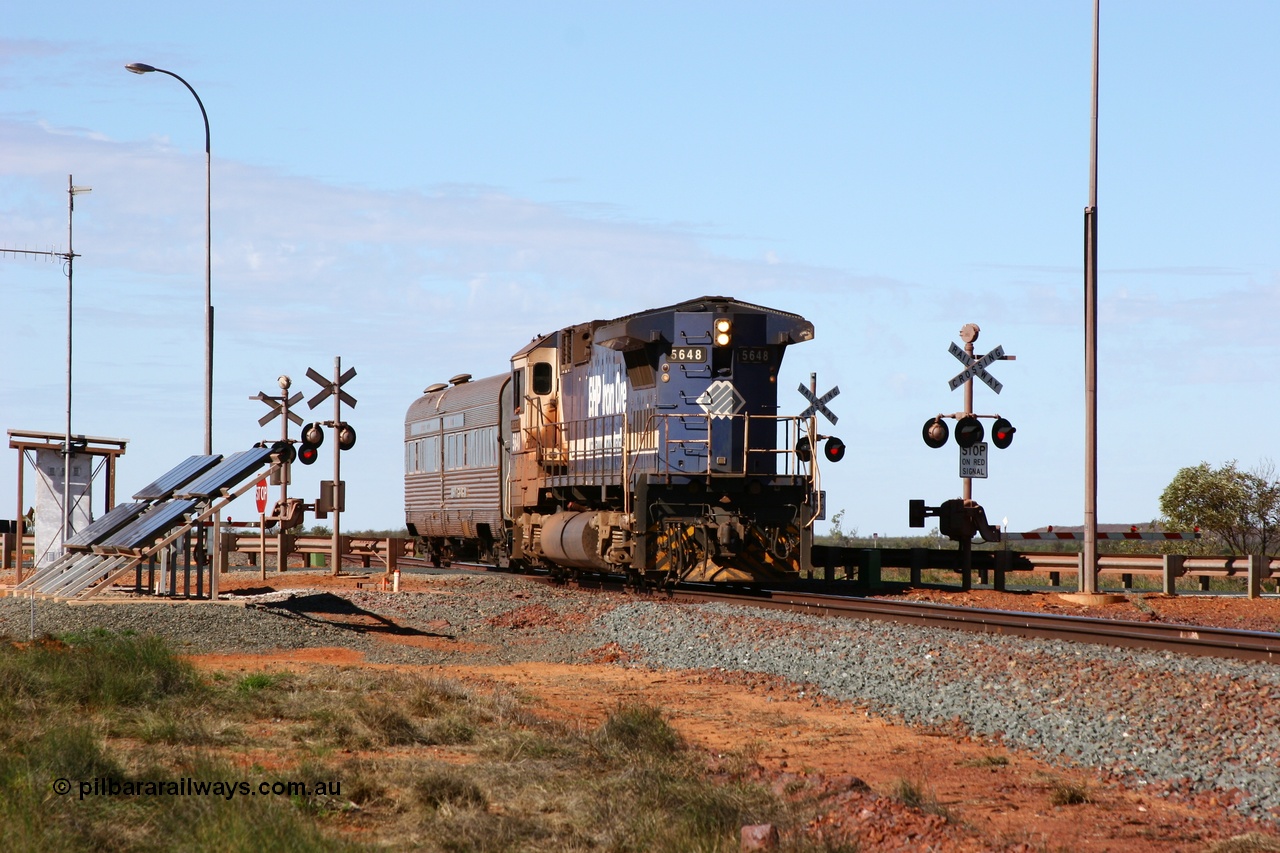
(724,329)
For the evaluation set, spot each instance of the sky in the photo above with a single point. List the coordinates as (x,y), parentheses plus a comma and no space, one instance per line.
(419,188)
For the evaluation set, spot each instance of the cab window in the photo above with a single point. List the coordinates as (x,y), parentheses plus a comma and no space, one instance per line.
(542,379)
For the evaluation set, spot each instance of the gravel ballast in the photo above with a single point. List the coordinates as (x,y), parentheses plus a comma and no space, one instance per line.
(1173,724)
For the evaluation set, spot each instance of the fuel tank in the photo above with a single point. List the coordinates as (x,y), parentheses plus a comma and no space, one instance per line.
(573,539)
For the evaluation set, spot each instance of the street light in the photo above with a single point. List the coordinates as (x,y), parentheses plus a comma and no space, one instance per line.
(143,68)
(72,192)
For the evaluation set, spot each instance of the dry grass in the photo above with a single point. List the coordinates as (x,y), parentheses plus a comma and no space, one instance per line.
(917,796)
(406,762)
(991,761)
(1063,793)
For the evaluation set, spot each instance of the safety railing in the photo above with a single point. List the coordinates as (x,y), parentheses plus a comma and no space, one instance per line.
(610,449)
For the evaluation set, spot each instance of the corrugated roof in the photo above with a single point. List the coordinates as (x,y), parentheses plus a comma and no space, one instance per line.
(457,398)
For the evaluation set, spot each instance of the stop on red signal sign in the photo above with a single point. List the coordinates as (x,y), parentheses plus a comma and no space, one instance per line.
(261,494)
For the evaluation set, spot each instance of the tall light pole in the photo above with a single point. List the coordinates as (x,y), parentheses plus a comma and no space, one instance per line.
(143,68)
(1088,582)
(67,452)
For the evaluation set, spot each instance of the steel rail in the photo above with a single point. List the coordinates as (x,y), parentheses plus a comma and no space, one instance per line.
(1206,641)
(1158,636)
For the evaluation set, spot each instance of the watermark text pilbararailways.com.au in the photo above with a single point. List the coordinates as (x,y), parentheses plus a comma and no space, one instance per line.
(188,787)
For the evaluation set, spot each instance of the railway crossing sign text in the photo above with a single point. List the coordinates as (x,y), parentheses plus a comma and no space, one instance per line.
(819,404)
(973,461)
(976,368)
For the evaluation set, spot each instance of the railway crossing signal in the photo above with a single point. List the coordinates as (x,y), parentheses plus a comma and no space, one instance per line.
(935,432)
(345,437)
(968,431)
(961,518)
(280,406)
(1002,433)
(834,448)
(312,438)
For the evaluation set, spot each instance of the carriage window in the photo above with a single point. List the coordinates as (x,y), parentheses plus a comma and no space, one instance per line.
(455,451)
(542,378)
(429,454)
(482,448)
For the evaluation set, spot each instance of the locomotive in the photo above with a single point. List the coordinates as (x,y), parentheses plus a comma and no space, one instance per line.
(650,445)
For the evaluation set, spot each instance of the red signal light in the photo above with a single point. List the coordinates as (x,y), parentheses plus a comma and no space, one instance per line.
(312,438)
(1002,433)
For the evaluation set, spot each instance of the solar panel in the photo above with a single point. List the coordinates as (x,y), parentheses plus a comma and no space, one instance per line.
(106,525)
(230,471)
(184,473)
(155,521)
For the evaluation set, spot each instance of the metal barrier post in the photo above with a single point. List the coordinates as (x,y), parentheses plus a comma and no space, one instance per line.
(1173,568)
(1003,561)
(919,559)
(869,568)
(1256,568)
(966,564)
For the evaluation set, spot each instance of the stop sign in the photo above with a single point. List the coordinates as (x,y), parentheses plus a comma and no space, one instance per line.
(261,494)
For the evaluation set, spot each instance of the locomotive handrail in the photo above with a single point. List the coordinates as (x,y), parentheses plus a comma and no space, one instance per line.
(605,450)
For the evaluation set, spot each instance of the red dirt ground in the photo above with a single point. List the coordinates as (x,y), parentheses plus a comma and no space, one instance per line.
(998,799)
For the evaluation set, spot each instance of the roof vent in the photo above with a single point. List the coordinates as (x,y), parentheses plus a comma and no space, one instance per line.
(431,389)
(460,379)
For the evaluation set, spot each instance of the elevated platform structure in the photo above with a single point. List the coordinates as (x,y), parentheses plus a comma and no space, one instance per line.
(99,452)
(174,510)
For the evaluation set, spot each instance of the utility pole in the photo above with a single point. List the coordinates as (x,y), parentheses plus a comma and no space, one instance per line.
(69,257)
(1088,582)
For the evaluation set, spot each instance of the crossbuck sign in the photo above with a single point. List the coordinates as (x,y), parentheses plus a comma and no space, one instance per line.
(819,404)
(976,368)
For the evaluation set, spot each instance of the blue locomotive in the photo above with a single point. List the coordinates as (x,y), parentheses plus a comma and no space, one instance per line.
(650,445)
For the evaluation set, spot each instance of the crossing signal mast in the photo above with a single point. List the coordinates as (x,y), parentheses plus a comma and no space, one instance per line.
(962,518)
(332,492)
(832,450)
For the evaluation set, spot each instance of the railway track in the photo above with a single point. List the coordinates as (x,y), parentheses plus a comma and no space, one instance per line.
(1201,640)
(1158,636)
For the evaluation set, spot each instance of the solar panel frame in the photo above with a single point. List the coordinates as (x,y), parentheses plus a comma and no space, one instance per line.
(105,525)
(228,473)
(159,518)
(165,485)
